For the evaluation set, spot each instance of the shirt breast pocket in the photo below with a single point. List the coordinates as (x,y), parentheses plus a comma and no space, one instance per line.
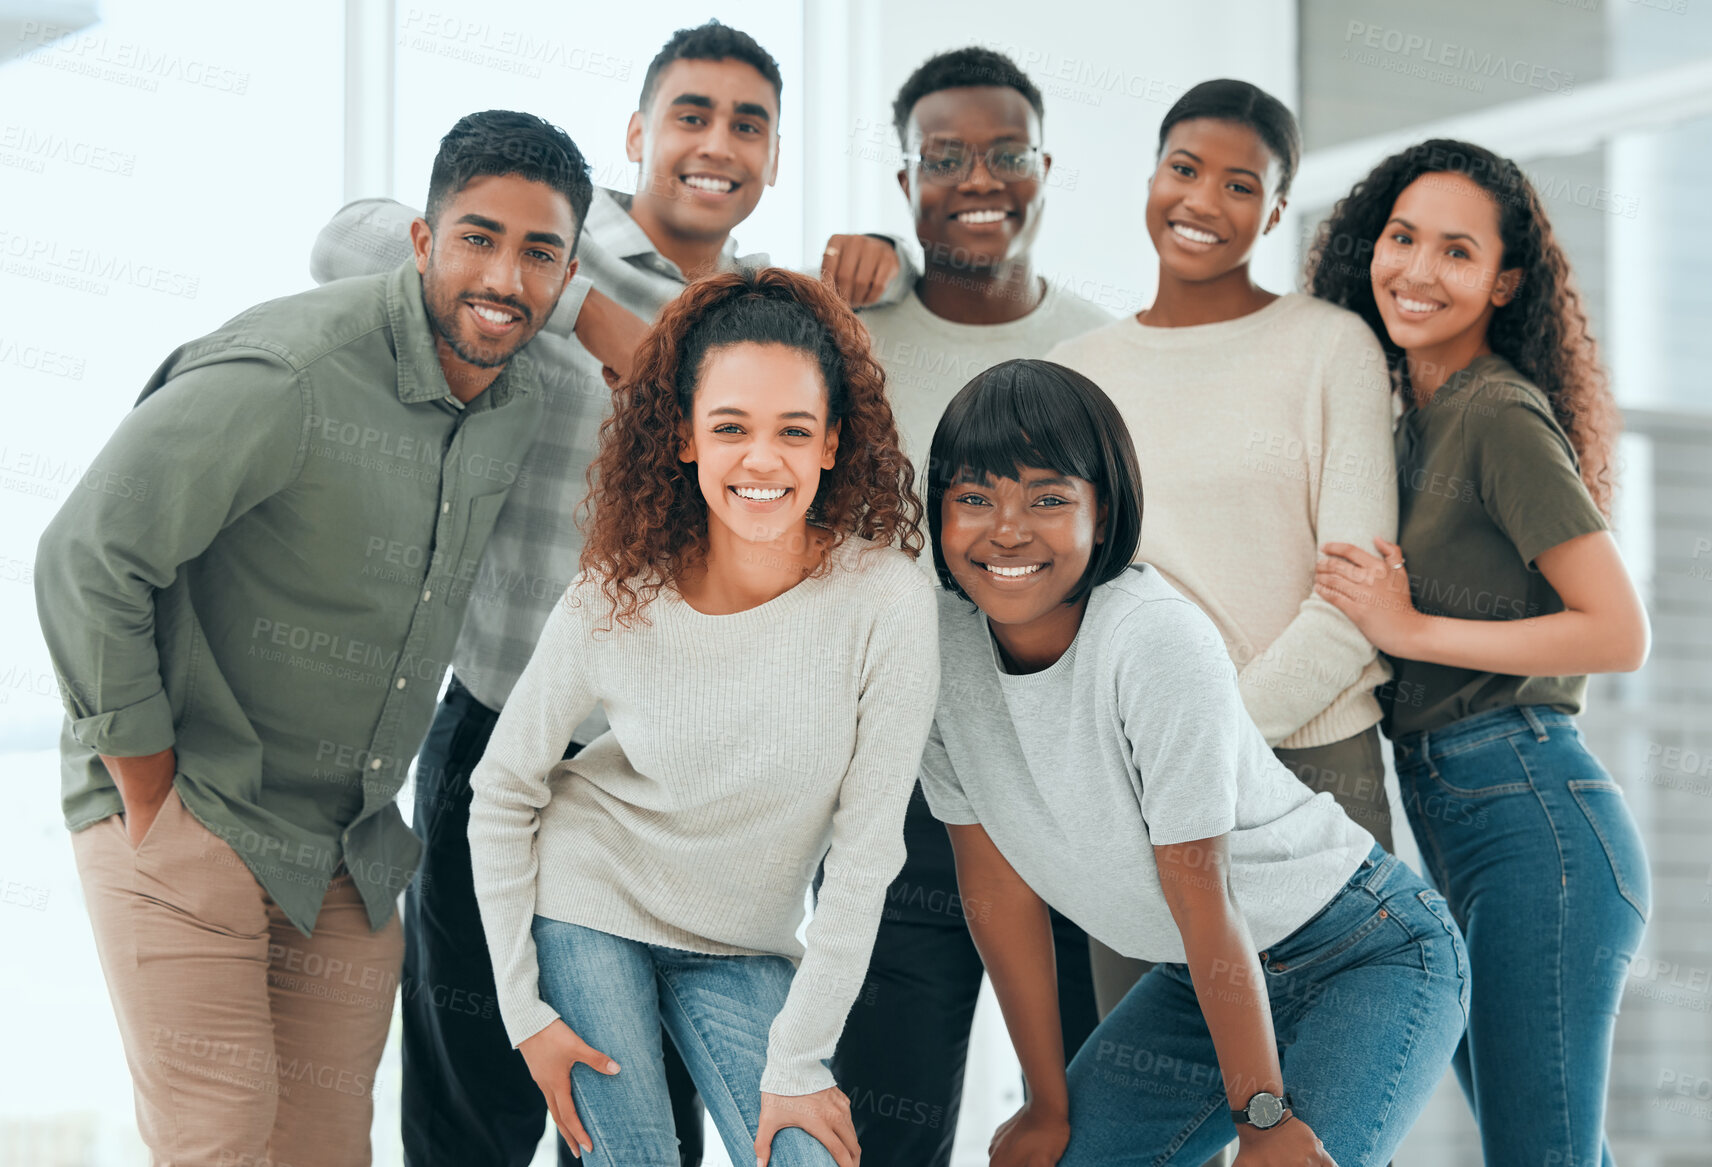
(484,512)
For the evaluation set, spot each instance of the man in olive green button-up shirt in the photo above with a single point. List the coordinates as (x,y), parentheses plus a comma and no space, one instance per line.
(297,652)
(250,610)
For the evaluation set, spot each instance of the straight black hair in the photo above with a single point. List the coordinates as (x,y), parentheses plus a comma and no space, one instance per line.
(1037,413)
(501,142)
(1247,105)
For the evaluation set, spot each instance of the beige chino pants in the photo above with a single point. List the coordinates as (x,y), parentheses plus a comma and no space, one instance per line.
(249,1044)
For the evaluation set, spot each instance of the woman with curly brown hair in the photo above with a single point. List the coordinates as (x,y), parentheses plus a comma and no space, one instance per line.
(1512,592)
(749,616)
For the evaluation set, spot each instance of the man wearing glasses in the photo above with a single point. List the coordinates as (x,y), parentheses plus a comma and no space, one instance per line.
(975,177)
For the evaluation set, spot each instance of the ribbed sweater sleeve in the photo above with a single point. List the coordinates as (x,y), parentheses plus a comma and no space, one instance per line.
(1320,654)
(552,697)
(900,683)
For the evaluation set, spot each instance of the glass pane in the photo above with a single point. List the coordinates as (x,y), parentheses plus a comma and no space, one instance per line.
(1658,240)
(162,169)
(1645,35)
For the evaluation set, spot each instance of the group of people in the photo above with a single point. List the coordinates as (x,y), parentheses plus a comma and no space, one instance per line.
(659,510)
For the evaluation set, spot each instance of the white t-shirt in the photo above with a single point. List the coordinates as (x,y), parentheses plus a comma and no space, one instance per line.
(1136,736)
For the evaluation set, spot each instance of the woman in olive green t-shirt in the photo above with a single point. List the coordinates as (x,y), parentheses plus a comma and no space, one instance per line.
(1512,593)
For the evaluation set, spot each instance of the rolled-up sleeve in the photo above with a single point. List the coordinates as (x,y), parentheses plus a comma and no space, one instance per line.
(191,458)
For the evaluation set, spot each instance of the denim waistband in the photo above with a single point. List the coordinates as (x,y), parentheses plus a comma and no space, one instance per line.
(1378,869)
(1537,720)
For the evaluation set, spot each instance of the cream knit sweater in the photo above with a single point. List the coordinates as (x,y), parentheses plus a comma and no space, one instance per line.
(741,747)
(1259,439)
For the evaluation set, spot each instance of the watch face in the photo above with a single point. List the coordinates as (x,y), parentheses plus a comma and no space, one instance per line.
(1265,1110)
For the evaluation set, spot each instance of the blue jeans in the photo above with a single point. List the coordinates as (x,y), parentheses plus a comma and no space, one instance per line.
(1533,845)
(617,993)
(468,1097)
(1369,999)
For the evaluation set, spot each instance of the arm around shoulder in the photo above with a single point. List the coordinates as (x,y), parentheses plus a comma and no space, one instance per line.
(364,237)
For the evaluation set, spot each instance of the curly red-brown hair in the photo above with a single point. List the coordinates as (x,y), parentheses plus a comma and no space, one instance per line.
(649,519)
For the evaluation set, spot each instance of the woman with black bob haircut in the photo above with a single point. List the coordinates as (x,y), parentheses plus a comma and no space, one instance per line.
(1514,590)
(1090,750)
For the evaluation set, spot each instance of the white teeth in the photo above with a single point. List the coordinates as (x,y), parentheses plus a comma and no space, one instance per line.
(1409,305)
(1014,572)
(750,492)
(981,216)
(714,185)
(490,315)
(1193,235)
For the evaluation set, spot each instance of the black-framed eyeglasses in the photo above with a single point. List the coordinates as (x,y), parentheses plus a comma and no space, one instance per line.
(947,162)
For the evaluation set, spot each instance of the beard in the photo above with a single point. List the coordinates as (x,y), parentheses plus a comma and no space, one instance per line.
(443,307)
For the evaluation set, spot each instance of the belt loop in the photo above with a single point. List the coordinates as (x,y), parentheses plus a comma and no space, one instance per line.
(1426,748)
(1534,723)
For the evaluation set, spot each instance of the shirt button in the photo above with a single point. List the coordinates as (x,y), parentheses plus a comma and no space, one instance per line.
(400,684)
(427,594)
(375,765)
(445,508)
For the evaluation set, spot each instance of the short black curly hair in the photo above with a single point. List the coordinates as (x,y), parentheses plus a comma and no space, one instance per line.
(712,41)
(955,69)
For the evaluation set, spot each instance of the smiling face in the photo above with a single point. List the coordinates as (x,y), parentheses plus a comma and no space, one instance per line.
(759,439)
(1211,197)
(983,220)
(493,266)
(1437,265)
(1019,548)
(708,144)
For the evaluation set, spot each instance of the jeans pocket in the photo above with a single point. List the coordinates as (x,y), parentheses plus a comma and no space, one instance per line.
(1440,908)
(1329,934)
(1607,811)
(1487,769)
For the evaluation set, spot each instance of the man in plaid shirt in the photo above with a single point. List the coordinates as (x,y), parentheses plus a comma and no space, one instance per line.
(706,138)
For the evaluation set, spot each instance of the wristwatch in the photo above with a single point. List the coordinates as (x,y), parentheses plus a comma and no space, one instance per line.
(1264,1111)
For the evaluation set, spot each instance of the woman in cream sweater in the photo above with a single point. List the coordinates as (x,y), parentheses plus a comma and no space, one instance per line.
(1263,425)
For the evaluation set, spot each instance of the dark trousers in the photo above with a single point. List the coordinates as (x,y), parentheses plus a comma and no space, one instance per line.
(900,1059)
(468,1098)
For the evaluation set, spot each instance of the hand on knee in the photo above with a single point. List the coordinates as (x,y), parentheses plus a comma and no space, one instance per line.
(824,1114)
(550,1055)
